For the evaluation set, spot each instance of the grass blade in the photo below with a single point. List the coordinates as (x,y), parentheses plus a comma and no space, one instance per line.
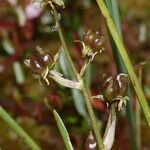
(63,131)
(9,120)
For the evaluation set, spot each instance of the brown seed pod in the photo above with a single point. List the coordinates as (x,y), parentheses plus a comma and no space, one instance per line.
(93,40)
(98,32)
(110,88)
(89,37)
(122,80)
(44,58)
(34,65)
(97,43)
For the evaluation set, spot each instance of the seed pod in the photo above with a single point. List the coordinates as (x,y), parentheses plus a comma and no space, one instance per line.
(93,40)
(97,43)
(123,84)
(98,32)
(110,88)
(34,65)
(89,37)
(44,58)
(90,142)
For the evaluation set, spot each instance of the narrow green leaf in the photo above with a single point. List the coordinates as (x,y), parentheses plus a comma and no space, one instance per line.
(63,131)
(63,65)
(79,102)
(16,127)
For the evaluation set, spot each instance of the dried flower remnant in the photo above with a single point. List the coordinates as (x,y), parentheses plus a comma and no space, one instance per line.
(92,43)
(40,63)
(114,90)
(90,142)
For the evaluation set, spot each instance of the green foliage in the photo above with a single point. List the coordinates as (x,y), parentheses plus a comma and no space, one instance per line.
(63,131)
(15,126)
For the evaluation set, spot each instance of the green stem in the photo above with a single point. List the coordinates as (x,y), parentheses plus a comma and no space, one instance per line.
(126,60)
(8,119)
(66,50)
(84,91)
(93,119)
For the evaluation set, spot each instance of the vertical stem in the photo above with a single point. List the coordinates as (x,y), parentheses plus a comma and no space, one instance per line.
(66,50)
(93,119)
(84,91)
(7,118)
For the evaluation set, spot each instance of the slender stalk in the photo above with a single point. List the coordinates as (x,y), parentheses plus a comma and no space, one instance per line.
(109,134)
(66,50)
(126,60)
(93,119)
(63,81)
(8,119)
(63,131)
(84,91)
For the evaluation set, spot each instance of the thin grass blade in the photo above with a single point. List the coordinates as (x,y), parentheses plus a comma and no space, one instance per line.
(16,127)
(63,131)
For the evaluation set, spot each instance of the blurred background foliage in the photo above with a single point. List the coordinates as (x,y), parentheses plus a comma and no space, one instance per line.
(23,25)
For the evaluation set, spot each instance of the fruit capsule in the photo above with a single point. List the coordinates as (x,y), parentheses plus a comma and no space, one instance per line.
(97,43)
(98,32)
(44,58)
(94,40)
(89,37)
(110,88)
(35,66)
(123,84)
